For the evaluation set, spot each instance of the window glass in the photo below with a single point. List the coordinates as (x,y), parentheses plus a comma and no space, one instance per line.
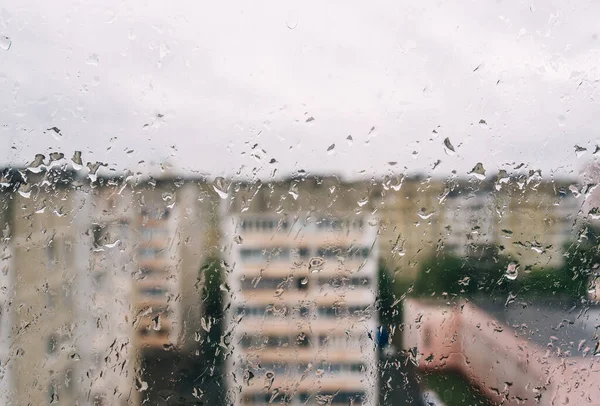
(316,203)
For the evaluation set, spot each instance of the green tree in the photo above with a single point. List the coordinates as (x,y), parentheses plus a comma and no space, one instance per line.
(582,262)
(212,276)
(389,309)
(463,276)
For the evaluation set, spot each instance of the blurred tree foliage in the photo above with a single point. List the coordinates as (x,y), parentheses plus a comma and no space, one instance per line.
(447,274)
(485,273)
(582,262)
(389,310)
(212,274)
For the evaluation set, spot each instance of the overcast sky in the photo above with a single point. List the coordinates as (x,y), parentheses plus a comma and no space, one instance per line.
(201,83)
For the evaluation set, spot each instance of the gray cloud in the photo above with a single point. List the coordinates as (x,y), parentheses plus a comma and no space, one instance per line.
(227,76)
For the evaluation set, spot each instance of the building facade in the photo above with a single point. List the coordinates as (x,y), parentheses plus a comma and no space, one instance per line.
(304,284)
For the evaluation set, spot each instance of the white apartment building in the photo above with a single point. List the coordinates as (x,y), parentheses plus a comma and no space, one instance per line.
(303,311)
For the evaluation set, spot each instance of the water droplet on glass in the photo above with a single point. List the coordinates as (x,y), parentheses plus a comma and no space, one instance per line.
(77,162)
(35,165)
(579,151)
(221,187)
(512,271)
(482,123)
(93,60)
(424,214)
(597,349)
(248,376)
(310,119)
(331,148)
(349,139)
(5,43)
(293,191)
(363,201)
(56,156)
(112,244)
(25,191)
(316,264)
(156,323)
(478,171)
(238,239)
(304,281)
(163,51)
(448,147)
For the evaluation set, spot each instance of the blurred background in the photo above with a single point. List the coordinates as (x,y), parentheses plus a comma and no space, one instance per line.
(319,204)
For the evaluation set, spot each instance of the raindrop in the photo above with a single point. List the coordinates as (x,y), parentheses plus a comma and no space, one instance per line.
(163,51)
(93,167)
(293,191)
(349,139)
(238,239)
(424,214)
(304,281)
(596,150)
(597,349)
(93,60)
(331,148)
(324,399)
(512,271)
(579,151)
(112,244)
(5,43)
(482,123)
(478,171)
(248,376)
(78,163)
(316,264)
(25,191)
(35,165)
(310,119)
(56,156)
(156,322)
(448,147)
(221,187)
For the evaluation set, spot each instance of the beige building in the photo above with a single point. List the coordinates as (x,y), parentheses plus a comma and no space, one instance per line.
(411,221)
(527,218)
(97,273)
(303,278)
(174,219)
(45,235)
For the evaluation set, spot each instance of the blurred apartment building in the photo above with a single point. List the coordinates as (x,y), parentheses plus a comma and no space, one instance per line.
(99,271)
(523,216)
(303,271)
(529,353)
(96,274)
